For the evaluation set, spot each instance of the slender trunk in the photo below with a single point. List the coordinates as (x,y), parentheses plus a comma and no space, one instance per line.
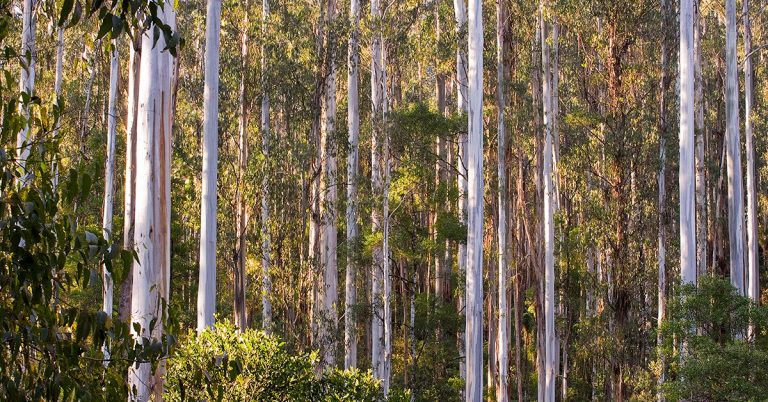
(29,57)
(206,294)
(241,246)
(687,171)
(502,392)
(475,190)
(549,229)
(701,188)
(353,112)
(109,178)
(57,93)
(733,158)
(129,211)
(266,284)
(662,188)
(518,301)
(84,131)
(753,270)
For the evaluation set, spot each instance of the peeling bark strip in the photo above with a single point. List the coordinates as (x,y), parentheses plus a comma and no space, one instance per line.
(475,190)
(206,294)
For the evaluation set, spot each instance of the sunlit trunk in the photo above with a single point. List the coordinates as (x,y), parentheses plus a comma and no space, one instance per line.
(753,268)
(266,262)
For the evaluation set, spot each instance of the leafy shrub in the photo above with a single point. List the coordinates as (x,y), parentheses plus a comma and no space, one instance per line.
(221,365)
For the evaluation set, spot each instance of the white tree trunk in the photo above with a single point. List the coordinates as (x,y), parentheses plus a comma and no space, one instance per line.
(27,82)
(687,172)
(701,186)
(378,94)
(753,271)
(151,235)
(328,203)
(460,14)
(206,294)
(266,284)
(502,394)
(733,158)
(662,189)
(550,346)
(353,121)
(475,189)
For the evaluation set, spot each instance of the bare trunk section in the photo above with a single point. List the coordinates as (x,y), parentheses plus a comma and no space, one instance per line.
(753,269)
(502,390)
(662,189)
(29,57)
(687,172)
(266,280)
(733,151)
(109,179)
(701,187)
(475,190)
(353,117)
(206,294)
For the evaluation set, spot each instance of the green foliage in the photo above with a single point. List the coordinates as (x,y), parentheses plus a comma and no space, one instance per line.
(720,363)
(221,364)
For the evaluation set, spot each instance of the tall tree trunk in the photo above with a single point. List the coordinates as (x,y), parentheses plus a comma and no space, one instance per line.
(518,300)
(29,56)
(266,291)
(502,391)
(549,204)
(701,187)
(662,189)
(475,189)
(151,235)
(353,121)
(109,178)
(129,209)
(687,171)
(733,158)
(753,271)
(378,95)
(241,246)
(206,294)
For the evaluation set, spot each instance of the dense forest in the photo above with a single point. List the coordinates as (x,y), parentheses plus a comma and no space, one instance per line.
(401,200)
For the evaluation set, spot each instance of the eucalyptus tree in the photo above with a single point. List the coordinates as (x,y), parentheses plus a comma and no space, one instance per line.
(28,66)
(266,280)
(475,189)
(733,151)
(206,294)
(753,268)
(686,139)
(502,394)
(353,122)
(241,214)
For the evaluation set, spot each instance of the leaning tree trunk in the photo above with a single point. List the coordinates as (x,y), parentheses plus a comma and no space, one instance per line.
(353,113)
(206,294)
(241,243)
(266,280)
(109,178)
(151,234)
(753,270)
(733,156)
(29,57)
(475,187)
(502,392)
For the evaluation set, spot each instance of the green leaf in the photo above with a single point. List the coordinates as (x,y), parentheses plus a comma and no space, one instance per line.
(106,26)
(66,8)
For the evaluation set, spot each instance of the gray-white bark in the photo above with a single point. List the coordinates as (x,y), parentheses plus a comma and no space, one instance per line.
(353,121)
(753,268)
(687,176)
(475,190)
(206,294)
(241,247)
(27,83)
(733,151)
(502,394)
(266,280)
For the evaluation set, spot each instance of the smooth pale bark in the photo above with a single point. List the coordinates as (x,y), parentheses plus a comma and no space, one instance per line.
(701,187)
(206,294)
(241,247)
(753,269)
(475,189)
(687,178)
(328,204)
(548,212)
(151,272)
(460,14)
(27,83)
(353,122)
(84,121)
(733,151)
(378,95)
(502,394)
(662,190)
(266,280)
(109,187)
